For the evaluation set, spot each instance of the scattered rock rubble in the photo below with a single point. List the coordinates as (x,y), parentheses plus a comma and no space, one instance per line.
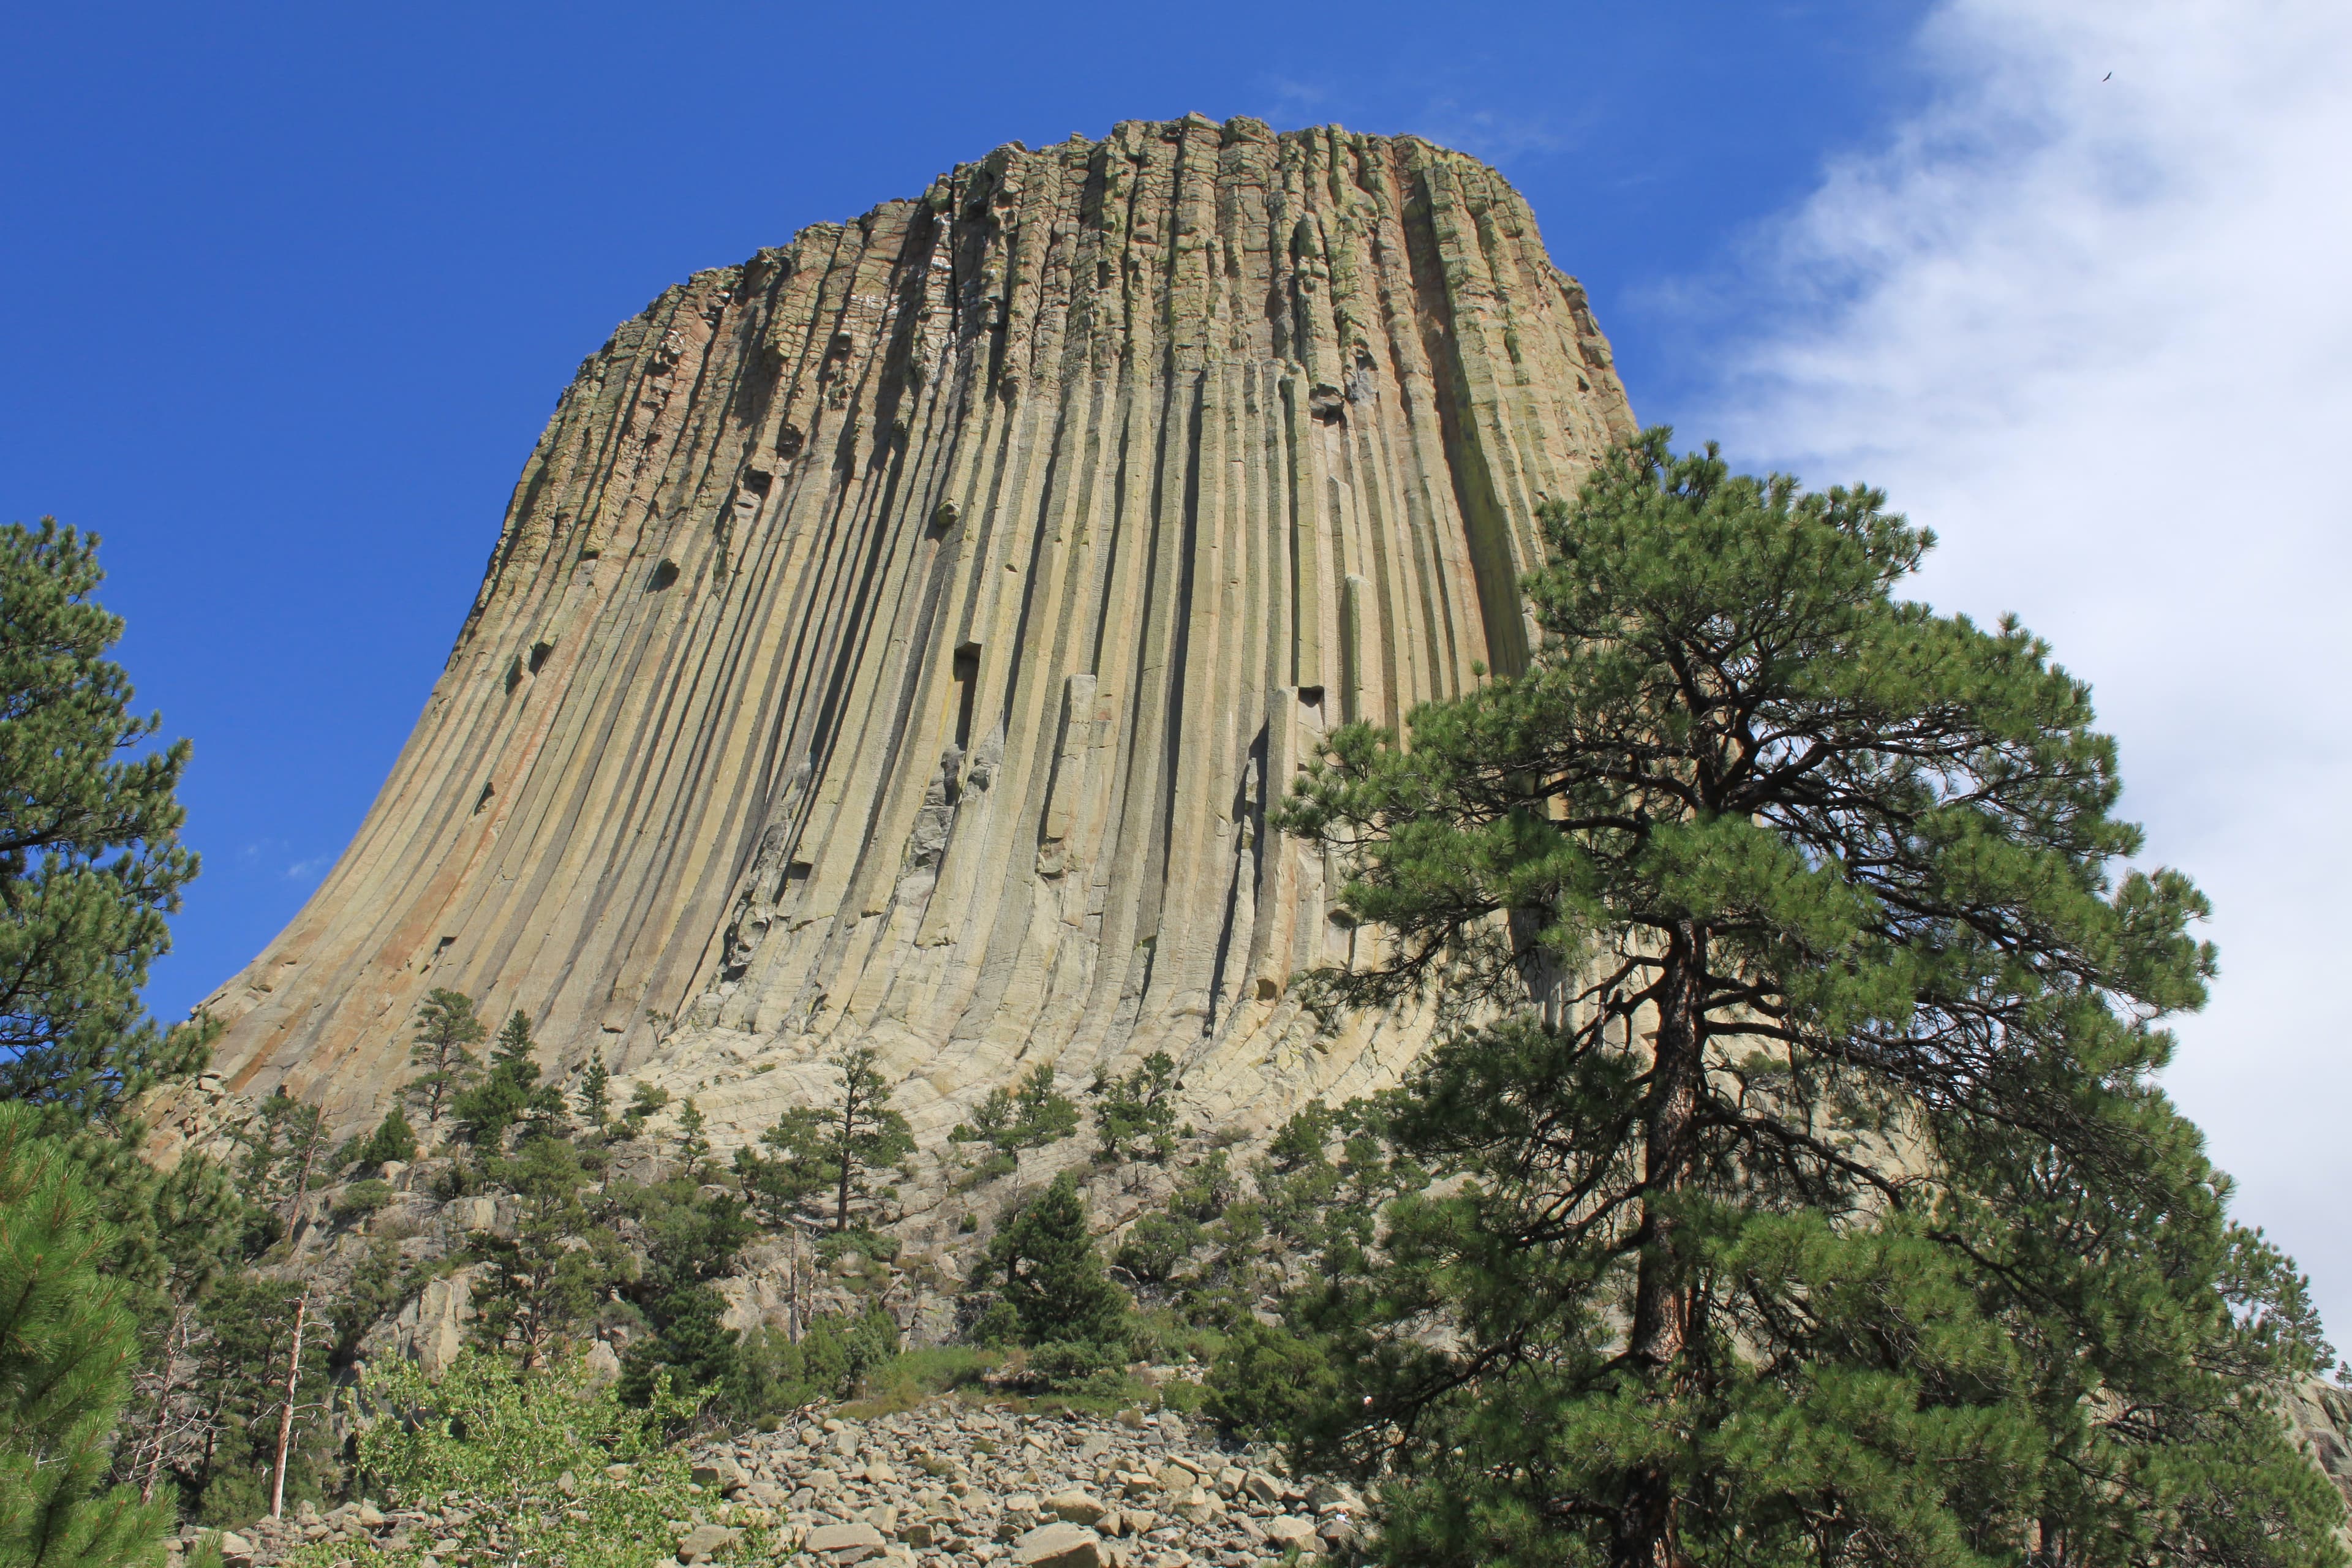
(953,1485)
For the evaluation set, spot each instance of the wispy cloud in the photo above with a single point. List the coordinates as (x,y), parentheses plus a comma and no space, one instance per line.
(308,871)
(1489,133)
(2086,315)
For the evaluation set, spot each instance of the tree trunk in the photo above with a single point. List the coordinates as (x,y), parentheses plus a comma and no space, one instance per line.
(848,1127)
(285,1415)
(177,1338)
(301,1186)
(1644,1532)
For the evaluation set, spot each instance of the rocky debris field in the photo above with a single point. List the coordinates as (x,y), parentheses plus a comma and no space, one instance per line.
(946,1483)
(949,1485)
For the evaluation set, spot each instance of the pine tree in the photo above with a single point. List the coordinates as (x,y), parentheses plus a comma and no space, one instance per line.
(1052,1274)
(1030,1115)
(549,1276)
(596,1094)
(693,1146)
(834,1149)
(263,1382)
(393,1141)
(509,1092)
(1827,1211)
(644,1103)
(1135,1116)
(67,1344)
(284,1146)
(91,861)
(690,1239)
(447,1029)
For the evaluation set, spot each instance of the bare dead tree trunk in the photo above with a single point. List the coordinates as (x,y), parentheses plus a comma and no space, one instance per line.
(285,1415)
(173,1342)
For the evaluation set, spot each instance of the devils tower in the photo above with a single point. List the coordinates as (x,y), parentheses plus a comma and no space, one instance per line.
(898,639)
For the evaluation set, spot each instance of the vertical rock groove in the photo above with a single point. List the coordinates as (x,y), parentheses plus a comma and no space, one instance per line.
(898,638)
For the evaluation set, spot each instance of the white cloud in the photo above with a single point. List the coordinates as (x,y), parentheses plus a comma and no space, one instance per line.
(2097,333)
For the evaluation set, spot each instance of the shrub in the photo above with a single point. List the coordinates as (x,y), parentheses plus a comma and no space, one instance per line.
(1053,1276)
(359,1200)
(865,1243)
(491,1445)
(1156,1245)
(1266,1383)
(1135,1116)
(392,1139)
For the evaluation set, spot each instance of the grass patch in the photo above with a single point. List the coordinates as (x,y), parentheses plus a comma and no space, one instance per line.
(912,1376)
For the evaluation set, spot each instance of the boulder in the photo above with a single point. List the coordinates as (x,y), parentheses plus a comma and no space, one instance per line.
(705,1541)
(1059,1546)
(845,1544)
(1288,1530)
(1076,1506)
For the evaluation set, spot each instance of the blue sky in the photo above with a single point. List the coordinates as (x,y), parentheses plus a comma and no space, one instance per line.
(288,292)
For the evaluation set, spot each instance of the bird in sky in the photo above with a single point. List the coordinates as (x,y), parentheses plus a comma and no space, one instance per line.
(2109,77)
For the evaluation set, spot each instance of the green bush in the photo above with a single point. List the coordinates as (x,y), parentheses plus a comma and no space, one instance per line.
(838,1358)
(1157,1246)
(1135,1116)
(359,1200)
(392,1139)
(459,1179)
(1268,1383)
(1068,1364)
(1052,1274)
(998,1163)
(493,1444)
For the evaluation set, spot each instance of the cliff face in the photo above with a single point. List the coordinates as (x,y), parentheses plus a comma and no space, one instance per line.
(898,637)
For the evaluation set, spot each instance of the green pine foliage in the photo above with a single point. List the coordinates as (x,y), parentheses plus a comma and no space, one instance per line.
(690,1238)
(544,1282)
(693,1143)
(448,1028)
(835,1359)
(285,1149)
(508,1093)
(1268,1384)
(1030,1115)
(239,1389)
(645,1102)
(91,860)
(1135,1115)
(1829,1211)
(1052,1294)
(596,1095)
(830,1151)
(394,1140)
(68,1345)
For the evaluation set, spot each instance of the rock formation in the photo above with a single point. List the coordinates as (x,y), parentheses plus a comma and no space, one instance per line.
(897,639)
